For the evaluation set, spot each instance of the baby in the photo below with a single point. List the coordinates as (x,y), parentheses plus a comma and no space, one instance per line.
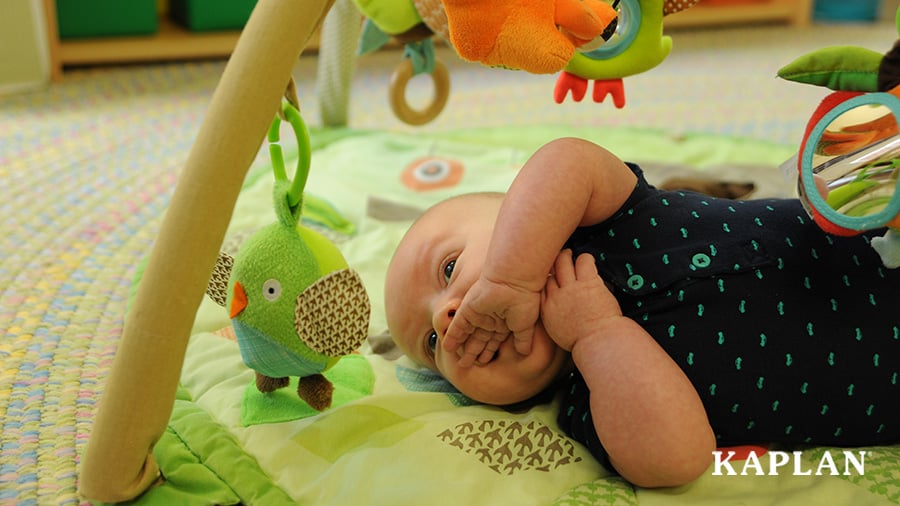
(676,322)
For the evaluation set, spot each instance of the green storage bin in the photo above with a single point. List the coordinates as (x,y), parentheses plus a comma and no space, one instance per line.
(101,18)
(208,15)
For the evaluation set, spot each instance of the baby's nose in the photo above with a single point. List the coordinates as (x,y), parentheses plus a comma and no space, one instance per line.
(450,314)
(442,319)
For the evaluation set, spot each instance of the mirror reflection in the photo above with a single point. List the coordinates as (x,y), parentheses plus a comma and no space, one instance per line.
(617,36)
(856,158)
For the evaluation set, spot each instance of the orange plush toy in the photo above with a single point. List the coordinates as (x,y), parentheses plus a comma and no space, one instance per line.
(538,36)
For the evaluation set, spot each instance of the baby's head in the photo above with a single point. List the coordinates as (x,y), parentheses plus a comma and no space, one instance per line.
(435,264)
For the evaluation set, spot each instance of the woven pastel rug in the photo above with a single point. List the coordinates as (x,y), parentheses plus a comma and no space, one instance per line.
(87,168)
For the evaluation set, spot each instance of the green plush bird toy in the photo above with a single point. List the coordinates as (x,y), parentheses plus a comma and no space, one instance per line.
(295,306)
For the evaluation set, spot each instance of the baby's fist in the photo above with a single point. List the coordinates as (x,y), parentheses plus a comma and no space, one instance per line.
(575,298)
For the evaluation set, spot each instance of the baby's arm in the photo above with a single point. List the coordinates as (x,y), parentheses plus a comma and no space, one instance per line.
(646,412)
(566,184)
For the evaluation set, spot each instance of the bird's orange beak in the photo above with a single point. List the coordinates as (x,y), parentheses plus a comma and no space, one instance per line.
(239,302)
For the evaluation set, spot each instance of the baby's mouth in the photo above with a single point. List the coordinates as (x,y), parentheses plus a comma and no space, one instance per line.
(498,351)
(493,358)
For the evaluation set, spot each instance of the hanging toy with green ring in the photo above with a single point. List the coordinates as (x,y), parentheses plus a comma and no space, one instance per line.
(295,306)
(849,158)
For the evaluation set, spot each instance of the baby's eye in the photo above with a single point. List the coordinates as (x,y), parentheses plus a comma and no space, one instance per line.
(432,341)
(448,270)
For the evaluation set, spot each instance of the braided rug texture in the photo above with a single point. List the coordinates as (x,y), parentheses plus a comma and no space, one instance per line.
(87,169)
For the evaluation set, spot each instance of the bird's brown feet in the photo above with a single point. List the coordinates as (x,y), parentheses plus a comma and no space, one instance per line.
(316,390)
(265,384)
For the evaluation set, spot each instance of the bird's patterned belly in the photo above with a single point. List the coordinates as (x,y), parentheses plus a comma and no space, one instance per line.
(272,359)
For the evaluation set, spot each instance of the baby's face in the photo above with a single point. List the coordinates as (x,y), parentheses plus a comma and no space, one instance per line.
(434,266)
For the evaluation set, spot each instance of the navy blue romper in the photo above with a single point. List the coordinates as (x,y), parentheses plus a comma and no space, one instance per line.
(790,335)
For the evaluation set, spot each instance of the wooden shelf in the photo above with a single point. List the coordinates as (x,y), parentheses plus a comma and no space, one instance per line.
(172,42)
(793,12)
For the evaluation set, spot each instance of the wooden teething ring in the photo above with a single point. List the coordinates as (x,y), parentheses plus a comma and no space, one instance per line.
(397,91)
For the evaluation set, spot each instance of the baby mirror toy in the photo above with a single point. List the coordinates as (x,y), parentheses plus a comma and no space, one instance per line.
(850,151)
(850,158)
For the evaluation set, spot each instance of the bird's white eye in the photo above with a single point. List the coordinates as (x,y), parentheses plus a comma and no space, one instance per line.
(271,290)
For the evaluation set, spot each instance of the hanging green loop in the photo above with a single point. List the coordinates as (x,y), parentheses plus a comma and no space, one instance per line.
(304,152)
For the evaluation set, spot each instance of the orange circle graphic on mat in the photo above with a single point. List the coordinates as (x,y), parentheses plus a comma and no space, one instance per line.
(431,173)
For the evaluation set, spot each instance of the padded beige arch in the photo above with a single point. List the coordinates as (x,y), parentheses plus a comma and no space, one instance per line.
(137,402)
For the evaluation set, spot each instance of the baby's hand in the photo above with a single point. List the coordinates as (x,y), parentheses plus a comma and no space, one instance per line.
(487,315)
(574,297)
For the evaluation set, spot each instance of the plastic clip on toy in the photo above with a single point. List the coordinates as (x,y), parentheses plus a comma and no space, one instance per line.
(295,306)
(850,153)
